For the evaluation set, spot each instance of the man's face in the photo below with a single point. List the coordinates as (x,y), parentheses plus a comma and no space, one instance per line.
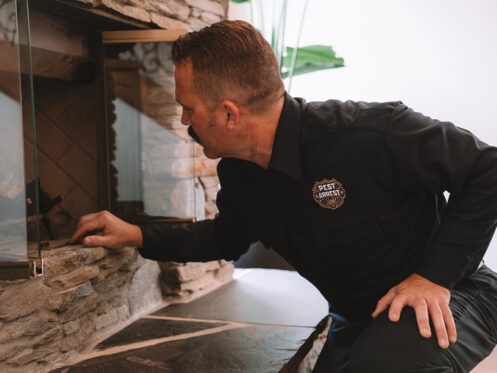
(196,114)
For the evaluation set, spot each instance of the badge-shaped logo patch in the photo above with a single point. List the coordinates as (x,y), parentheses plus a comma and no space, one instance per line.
(328,193)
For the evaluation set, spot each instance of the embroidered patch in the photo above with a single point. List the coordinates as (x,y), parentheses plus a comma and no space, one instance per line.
(329,194)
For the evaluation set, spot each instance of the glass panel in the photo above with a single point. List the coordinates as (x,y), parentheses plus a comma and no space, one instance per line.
(13,191)
(68,102)
(152,156)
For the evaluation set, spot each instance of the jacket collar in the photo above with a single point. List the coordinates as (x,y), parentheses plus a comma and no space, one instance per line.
(285,156)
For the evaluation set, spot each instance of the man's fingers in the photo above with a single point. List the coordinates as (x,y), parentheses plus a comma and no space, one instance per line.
(449,323)
(396,307)
(90,225)
(422,317)
(86,218)
(383,303)
(93,241)
(439,324)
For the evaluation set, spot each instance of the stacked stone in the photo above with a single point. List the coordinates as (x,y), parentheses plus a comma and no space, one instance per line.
(211,186)
(85,294)
(170,14)
(183,282)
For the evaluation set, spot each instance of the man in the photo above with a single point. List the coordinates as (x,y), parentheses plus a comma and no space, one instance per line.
(350,194)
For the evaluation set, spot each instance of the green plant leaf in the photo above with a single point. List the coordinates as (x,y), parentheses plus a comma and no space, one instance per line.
(240,1)
(310,58)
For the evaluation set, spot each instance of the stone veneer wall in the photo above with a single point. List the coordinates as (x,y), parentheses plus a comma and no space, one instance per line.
(84,295)
(167,14)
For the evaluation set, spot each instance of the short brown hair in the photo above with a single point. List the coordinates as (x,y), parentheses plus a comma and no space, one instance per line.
(231,60)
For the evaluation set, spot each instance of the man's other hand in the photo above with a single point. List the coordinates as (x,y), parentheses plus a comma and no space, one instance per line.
(116,233)
(428,300)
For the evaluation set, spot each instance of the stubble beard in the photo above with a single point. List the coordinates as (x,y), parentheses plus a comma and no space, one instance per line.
(210,126)
(211,153)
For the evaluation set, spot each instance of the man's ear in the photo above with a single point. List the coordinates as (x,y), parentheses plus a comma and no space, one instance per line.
(231,113)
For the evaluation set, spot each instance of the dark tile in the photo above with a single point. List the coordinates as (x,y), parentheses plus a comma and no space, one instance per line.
(85,97)
(261,296)
(53,179)
(251,349)
(29,163)
(146,329)
(79,203)
(81,129)
(81,168)
(27,128)
(51,97)
(50,139)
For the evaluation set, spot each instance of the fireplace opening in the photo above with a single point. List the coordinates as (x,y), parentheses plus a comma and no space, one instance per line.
(68,143)
(153,168)
(94,126)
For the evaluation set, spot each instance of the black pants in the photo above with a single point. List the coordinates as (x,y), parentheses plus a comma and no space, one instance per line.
(381,346)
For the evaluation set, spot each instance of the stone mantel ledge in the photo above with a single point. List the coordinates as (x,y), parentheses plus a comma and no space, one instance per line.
(168,14)
(86,294)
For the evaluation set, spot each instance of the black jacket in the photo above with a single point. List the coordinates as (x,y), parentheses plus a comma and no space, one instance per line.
(353,199)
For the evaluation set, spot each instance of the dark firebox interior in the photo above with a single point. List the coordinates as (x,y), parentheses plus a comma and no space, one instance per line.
(55,79)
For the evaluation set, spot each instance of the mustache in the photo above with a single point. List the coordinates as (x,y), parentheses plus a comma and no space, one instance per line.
(193,135)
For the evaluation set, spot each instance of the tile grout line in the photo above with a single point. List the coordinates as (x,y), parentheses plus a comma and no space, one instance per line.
(152,342)
(241,324)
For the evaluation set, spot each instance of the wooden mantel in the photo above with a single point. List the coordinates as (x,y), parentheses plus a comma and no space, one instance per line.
(141,36)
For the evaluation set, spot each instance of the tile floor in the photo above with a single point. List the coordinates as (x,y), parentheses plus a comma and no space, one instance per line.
(253,324)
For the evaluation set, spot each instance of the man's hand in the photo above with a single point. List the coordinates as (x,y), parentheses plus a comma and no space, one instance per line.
(426,298)
(116,232)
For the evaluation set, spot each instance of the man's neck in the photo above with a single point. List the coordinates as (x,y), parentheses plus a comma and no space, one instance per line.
(264,131)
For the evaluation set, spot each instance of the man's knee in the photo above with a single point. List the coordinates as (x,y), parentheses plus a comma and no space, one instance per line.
(367,360)
(374,358)
(388,347)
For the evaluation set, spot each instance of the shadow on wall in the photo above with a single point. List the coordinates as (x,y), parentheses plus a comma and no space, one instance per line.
(258,256)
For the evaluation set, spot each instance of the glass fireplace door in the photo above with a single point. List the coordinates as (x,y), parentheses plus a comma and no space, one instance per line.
(152,156)
(18,199)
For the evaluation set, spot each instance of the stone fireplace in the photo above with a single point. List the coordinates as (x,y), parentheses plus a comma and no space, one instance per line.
(100,129)
(108,127)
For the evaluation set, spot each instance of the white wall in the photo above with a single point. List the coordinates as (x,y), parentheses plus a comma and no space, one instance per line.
(437,56)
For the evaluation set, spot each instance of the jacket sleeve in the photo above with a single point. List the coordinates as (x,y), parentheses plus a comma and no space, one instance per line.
(430,156)
(224,237)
